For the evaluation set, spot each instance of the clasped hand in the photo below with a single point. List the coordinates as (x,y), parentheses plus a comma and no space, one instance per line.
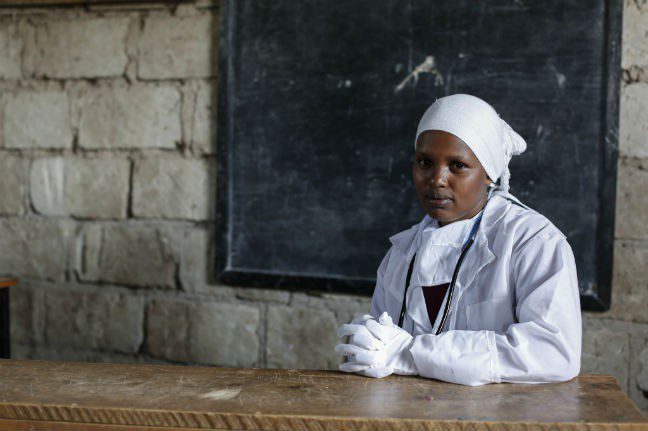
(376,348)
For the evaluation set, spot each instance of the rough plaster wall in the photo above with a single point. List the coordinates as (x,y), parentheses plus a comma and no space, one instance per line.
(107,130)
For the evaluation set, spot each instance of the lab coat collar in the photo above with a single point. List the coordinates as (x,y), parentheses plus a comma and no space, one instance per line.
(493,212)
(403,240)
(495,209)
(475,260)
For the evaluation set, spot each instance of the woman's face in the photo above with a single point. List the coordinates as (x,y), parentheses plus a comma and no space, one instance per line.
(450,181)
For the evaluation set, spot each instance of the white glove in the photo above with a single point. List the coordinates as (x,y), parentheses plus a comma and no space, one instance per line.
(360,336)
(376,348)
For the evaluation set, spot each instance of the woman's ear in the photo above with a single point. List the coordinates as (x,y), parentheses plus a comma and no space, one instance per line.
(490,185)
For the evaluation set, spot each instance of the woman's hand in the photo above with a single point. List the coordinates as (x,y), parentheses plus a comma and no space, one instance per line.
(376,348)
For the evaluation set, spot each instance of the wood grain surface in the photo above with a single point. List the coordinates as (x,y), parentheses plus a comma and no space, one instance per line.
(45,395)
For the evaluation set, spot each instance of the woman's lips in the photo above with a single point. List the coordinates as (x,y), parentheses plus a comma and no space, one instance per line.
(438,201)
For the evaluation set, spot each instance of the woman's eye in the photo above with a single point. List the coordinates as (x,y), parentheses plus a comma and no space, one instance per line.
(458,165)
(423,162)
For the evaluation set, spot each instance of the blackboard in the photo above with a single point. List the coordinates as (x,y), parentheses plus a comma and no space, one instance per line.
(317,118)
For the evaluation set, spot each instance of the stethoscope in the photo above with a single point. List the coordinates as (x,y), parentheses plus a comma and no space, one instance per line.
(466,246)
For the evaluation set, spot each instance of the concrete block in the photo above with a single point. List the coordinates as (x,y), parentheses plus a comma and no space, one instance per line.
(264,295)
(204,119)
(65,353)
(81,354)
(173,187)
(127,118)
(208,333)
(346,307)
(27,313)
(178,47)
(193,249)
(633,127)
(35,119)
(13,187)
(225,334)
(35,248)
(131,255)
(97,188)
(611,358)
(21,351)
(47,186)
(167,330)
(109,321)
(301,338)
(78,48)
(635,37)
(10,50)
(639,392)
(2,109)
(93,188)
(630,282)
(606,351)
(632,201)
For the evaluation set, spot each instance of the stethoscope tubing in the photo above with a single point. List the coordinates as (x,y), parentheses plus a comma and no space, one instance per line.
(446,311)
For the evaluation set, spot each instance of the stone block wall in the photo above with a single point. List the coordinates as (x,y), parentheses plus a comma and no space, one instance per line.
(107,132)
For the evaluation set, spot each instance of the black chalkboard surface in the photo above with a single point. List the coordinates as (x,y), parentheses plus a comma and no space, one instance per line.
(319,103)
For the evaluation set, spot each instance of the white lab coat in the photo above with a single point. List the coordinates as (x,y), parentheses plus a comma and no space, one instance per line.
(515,313)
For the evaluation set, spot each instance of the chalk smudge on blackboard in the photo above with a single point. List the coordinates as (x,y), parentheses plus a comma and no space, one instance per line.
(428,66)
(561,79)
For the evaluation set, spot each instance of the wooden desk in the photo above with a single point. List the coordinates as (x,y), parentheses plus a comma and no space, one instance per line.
(5,342)
(37,395)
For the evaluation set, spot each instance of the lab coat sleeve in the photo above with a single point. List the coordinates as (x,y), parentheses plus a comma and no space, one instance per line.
(544,345)
(379,298)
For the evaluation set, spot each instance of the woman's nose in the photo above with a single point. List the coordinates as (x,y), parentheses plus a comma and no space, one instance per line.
(439,177)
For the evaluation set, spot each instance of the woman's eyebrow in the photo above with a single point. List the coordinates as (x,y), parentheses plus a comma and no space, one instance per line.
(456,154)
(460,156)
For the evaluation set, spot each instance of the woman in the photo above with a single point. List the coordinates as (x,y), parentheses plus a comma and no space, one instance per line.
(514,311)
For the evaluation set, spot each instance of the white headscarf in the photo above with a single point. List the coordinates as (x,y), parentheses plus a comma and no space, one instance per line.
(476,123)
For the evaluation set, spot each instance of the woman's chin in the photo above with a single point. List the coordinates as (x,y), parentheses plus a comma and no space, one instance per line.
(441,215)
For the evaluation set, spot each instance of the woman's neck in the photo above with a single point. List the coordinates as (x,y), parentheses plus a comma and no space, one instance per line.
(476,209)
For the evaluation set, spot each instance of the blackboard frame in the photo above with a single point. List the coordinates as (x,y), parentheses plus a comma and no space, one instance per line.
(596,299)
